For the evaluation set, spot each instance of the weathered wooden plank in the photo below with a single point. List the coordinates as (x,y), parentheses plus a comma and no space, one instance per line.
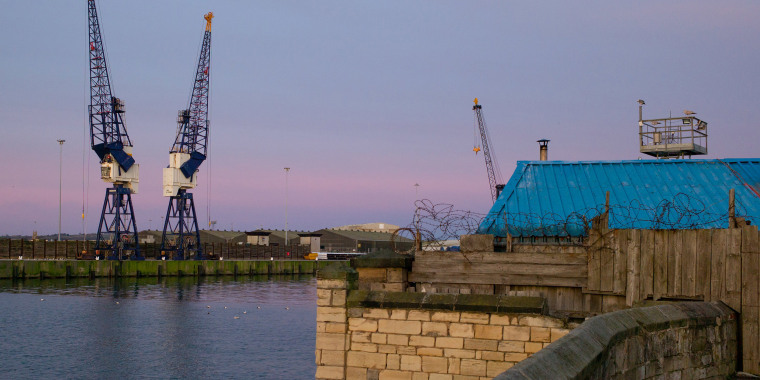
(750,318)
(675,246)
(594,260)
(499,278)
(579,258)
(660,287)
(594,302)
(718,269)
(607,253)
(548,248)
(734,269)
(612,303)
(633,266)
(750,278)
(647,263)
(750,239)
(445,268)
(689,263)
(620,261)
(704,252)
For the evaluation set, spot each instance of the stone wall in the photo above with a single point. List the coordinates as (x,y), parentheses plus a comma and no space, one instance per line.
(366,334)
(675,341)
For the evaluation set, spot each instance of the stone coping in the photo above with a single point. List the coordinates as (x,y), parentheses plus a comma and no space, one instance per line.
(337,271)
(451,302)
(577,354)
(383,259)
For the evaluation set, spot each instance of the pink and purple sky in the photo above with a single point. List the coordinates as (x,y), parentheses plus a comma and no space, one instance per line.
(362,99)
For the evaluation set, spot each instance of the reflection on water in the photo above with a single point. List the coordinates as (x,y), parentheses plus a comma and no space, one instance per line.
(244,327)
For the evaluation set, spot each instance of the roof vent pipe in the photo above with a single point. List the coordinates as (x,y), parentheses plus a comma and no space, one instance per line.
(544,149)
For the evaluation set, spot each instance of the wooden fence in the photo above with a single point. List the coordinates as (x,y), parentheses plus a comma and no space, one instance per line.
(68,249)
(615,269)
(706,265)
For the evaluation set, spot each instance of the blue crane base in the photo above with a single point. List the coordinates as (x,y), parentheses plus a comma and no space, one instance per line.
(117,230)
(181,239)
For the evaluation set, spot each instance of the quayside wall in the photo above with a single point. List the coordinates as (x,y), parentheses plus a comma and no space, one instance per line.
(374,322)
(694,340)
(377,334)
(21,269)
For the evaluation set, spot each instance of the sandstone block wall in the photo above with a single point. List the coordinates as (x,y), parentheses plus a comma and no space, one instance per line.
(382,335)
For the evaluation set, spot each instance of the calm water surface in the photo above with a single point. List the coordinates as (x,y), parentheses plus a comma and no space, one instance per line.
(213,328)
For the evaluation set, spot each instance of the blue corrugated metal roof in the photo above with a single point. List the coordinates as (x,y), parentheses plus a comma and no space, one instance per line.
(559,198)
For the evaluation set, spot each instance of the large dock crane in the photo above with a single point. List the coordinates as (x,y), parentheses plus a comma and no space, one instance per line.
(117,230)
(494,175)
(180,239)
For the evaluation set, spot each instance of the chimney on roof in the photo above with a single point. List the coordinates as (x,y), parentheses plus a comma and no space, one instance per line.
(543,149)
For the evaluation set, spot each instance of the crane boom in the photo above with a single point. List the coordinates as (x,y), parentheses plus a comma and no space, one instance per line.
(108,133)
(117,230)
(494,177)
(180,234)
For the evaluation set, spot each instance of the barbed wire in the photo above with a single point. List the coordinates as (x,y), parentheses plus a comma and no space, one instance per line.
(438,222)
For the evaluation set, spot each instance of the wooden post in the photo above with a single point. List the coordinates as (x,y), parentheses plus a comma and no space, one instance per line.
(22,247)
(731,209)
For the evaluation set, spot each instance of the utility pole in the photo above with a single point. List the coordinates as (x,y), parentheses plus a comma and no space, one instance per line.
(60,184)
(287,170)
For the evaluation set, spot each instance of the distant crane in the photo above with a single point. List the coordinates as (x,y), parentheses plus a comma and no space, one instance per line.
(117,230)
(181,239)
(492,168)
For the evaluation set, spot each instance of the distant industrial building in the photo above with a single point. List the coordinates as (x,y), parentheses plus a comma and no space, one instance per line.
(334,240)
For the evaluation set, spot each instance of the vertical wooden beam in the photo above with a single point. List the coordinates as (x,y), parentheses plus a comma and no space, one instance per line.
(718,271)
(594,263)
(703,272)
(633,268)
(620,259)
(647,263)
(660,264)
(675,261)
(689,263)
(731,209)
(734,269)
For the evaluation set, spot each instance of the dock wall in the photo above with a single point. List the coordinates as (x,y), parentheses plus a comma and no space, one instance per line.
(381,334)
(22,269)
(691,340)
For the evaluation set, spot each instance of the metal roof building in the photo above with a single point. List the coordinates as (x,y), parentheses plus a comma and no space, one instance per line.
(559,198)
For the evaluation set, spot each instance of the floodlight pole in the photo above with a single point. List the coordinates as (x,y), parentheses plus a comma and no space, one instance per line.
(287,170)
(60,184)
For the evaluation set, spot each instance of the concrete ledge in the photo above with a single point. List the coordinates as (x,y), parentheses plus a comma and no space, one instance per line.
(452,302)
(476,243)
(20,269)
(586,351)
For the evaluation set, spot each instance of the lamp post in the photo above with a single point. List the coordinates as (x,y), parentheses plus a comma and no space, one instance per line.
(287,170)
(60,184)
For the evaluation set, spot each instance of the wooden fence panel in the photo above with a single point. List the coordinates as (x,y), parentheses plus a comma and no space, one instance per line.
(675,245)
(704,256)
(660,287)
(733,297)
(594,261)
(607,267)
(718,270)
(633,272)
(689,263)
(750,317)
(647,263)
(620,261)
